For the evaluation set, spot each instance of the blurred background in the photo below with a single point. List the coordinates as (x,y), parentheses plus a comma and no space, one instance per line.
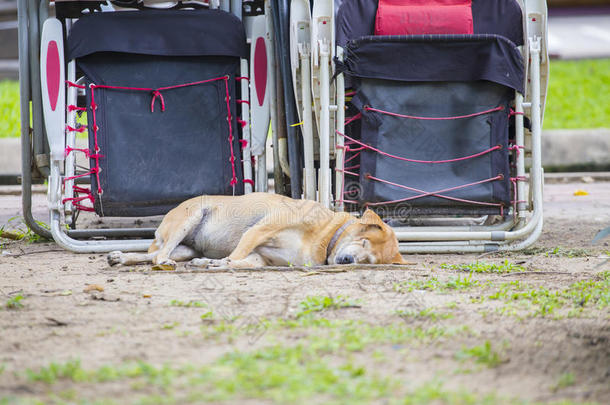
(577,117)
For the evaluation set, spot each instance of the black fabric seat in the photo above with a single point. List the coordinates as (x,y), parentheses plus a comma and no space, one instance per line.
(160,118)
(441,103)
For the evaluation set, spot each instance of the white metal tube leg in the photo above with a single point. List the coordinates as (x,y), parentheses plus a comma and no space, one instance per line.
(340,123)
(307,127)
(324,180)
(245,115)
(520,143)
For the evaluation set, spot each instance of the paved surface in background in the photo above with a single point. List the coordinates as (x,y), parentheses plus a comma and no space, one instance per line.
(580,36)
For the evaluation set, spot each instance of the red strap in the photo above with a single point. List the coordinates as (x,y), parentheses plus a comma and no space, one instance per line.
(422,17)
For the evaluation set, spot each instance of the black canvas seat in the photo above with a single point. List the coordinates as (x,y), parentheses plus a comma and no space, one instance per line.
(161,106)
(433,108)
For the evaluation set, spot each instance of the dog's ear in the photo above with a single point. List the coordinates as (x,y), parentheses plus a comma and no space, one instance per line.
(371,218)
(398,259)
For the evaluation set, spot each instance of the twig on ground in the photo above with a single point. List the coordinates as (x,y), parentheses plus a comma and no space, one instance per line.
(56,322)
(35,252)
(518,273)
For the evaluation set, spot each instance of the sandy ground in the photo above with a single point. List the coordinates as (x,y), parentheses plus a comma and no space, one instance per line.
(133,318)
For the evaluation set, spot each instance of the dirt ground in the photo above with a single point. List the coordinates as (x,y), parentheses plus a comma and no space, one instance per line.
(534,328)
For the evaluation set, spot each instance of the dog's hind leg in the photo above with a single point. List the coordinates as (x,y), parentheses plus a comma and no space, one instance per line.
(118,257)
(183,253)
(252,261)
(172,232)
(179,254)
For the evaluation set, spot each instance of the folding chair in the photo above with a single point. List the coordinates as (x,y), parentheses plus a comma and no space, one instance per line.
(445,102)
(177,105)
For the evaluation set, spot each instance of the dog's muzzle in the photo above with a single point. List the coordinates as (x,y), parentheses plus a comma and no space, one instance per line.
(345,259)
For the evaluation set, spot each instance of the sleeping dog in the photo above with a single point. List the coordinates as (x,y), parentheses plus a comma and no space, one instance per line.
(261,229)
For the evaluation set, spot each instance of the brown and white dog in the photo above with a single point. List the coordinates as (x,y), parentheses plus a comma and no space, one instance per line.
(262,229)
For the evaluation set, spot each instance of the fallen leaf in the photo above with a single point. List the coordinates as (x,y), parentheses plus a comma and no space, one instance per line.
(163,267)
(146,295)
(93,287)
(580,192)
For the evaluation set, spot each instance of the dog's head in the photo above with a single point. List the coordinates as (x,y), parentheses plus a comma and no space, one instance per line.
(369,240)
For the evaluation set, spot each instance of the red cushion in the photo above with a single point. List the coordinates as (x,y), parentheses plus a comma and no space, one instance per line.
(419,17)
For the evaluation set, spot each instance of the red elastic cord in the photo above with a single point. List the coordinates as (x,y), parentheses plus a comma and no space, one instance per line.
(229,119)
(248,181)
(96,169)
(516,148)
(87,153)
(437,193)
(243,142)
(78,189)
(430,193)
(72,107)
(514,181)
(155,94)
(242,78)
(72,84)
(354,118)
(243,102)
(242,122)
(76,200)
(354,156)
(512,112)
(499,108)
(79,129)
(365,146)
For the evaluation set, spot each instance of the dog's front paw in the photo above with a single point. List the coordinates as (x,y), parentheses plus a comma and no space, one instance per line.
(165,265)
(115,257)
(199,262)
(219,263)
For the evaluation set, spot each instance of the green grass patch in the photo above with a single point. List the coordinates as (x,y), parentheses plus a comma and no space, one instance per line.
(313,304)
(568,252)
(188,304)
(10,125)
(593,293)
(578,95)
(295,375)
(565,380)
(14,303)
(424,314)
(434,284)
(482,267)
(482,354)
